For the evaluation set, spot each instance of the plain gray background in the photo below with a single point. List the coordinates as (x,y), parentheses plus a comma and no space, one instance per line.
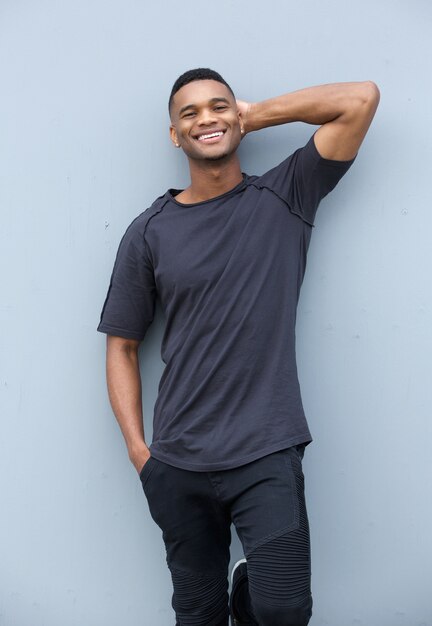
(84,148)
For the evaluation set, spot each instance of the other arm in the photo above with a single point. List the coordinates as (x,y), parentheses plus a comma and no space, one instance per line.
(343,110)
(124,389)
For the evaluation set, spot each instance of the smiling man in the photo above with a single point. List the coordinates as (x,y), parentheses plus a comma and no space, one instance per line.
(226,257)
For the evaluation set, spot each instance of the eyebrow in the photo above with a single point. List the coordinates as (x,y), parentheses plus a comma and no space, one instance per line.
(211,101)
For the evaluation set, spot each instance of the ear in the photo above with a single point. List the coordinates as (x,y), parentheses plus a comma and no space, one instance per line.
(242,130)
(243,109)
(173,135)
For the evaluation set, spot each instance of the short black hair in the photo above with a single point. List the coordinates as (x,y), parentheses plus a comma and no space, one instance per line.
(200,73)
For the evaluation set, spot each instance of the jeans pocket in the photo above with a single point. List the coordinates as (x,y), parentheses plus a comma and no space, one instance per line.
(146,470)
(300,449)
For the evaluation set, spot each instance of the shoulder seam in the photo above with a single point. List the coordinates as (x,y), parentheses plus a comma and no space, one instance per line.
(284,200)
(159,209)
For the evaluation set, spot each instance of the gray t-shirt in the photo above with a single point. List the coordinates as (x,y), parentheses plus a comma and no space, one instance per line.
(228,273)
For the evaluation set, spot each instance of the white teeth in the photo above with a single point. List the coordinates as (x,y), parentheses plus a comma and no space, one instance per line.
(218,134)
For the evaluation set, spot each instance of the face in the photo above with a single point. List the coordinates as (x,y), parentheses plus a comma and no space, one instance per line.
(205,121)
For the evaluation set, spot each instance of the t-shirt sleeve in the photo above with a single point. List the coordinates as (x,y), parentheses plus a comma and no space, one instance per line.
(303,179)
(130,302)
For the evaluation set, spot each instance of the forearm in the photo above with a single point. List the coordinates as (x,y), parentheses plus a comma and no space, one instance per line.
(313,105)
(124,389)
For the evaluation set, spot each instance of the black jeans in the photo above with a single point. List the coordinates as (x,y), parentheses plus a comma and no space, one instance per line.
(265,501)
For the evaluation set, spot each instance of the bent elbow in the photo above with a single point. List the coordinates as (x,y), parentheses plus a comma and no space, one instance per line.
(364,100)
(370,93)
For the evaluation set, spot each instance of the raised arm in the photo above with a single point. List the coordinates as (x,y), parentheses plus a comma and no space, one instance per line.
(343,110)
(124,389)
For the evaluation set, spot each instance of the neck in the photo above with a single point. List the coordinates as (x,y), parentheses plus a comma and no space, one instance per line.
(211,178)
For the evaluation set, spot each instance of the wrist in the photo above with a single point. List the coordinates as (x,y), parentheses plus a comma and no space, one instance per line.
(251,117)
(137,450)
(139,456)
(272,112)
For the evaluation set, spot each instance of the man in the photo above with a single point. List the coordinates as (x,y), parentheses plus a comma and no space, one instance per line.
(226,257)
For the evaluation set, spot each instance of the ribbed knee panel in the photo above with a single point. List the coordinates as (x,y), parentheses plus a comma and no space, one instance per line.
(199,600)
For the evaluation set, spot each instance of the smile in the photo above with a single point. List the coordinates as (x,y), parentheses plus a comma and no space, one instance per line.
(210,137)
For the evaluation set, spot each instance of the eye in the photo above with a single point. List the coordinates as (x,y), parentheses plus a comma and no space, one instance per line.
(220,107)
(189,114)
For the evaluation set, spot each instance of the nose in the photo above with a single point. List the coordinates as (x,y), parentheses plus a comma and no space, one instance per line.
(206,117)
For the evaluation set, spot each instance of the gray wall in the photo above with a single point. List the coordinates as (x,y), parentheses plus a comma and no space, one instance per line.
(83,149)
